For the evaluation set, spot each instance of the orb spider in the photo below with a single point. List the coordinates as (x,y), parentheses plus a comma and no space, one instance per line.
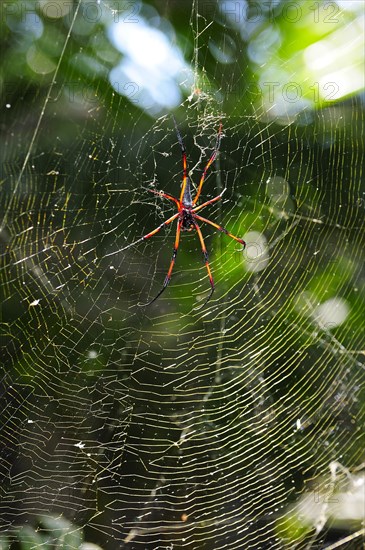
(187,214)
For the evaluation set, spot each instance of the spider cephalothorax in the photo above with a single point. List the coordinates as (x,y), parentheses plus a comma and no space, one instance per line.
(187,214)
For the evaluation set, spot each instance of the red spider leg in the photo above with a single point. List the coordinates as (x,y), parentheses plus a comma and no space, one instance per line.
(184,161)
(220,228)
(208,202)
(165,195)
(206,261)
(172,263)
(210,161)
(167,222)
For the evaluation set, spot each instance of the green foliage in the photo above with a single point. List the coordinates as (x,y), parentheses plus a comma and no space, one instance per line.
(51,533)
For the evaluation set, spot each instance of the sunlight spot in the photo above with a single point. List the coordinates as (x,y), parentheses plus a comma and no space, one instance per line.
(39,62)
(277,187)
(331,313)
(351,5)
(256,256)
(224,50)
(152,69)
(54,9)
(90,545)
(336,62)
(278,190)
(30,26)
(262,47)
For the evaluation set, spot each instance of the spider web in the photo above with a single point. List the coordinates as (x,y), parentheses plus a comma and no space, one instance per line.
(236,426)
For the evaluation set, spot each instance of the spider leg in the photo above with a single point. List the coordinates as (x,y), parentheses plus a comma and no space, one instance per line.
(148,235)
(184,161)
(151,233)
(222,229)
(210,161)
(172,263)
(165,195)
(209,202)
(206,261)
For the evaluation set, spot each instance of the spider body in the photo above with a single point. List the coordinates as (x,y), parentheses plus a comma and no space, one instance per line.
(187,217)
(187,201)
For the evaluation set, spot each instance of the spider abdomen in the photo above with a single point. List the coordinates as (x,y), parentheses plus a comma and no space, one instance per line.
(187,220)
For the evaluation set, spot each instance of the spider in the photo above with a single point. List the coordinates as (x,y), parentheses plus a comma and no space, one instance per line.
(187,216)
